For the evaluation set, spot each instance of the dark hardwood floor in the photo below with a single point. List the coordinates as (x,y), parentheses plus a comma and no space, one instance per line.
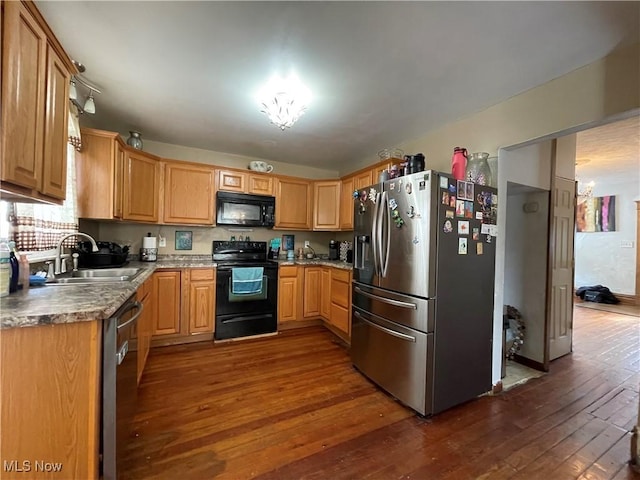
(292,407)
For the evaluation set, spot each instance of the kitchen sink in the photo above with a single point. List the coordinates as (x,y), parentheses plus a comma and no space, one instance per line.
(97,276)
(106,273)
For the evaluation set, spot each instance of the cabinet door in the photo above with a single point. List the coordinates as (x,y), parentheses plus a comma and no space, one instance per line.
(54,173)
(232,181)
(141,188)
(99,169)
(166,293)
(260,184)
(363,180)
(325,293)
(346,204)
(312,282)
(188,194)
(326,205)
(288,293)
(24,64)
(202,303)
(293,204)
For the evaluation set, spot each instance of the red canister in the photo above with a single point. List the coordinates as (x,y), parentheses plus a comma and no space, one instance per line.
(459,163)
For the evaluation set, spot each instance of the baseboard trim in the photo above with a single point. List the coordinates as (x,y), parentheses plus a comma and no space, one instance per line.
(497,388)
(527,362)
(626,299)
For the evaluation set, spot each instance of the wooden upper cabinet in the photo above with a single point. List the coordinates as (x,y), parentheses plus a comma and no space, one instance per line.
(326,206)
(141,187)
(24,64)
(35,85)
(99,175)
(54,176)
(232,181)
(346,204)
(188,194)
(244,182)
(293,203)
(260,184)
(363,179)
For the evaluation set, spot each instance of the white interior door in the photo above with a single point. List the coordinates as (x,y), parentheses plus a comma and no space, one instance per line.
(560,331)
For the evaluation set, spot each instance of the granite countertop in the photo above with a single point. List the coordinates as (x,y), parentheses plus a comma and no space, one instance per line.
(47,305)
(317,261)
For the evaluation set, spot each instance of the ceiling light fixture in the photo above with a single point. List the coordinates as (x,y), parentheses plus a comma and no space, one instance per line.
(89,105)
(284,100)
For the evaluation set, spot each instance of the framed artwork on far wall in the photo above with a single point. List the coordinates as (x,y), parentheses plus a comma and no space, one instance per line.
(184,240)
(596,214)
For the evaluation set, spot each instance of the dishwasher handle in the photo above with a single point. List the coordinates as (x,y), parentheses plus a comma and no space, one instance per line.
(120,354)
(131,306)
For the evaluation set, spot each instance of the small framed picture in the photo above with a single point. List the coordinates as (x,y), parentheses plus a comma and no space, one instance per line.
(184,240)
(288,242)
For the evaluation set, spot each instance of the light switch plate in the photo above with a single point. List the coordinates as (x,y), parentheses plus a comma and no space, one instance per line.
(162,241)
(626,244)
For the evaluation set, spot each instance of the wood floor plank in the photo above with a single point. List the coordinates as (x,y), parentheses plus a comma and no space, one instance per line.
(293,407)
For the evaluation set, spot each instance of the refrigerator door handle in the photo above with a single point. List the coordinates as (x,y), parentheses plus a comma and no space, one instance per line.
(388,331)
(385,231)
(380,230)
(374,235)
(395,303)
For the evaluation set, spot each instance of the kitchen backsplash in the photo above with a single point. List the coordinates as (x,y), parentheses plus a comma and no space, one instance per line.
(131,234)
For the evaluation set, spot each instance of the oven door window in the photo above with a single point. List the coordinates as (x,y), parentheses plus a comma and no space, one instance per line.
(241,212)
(229,304)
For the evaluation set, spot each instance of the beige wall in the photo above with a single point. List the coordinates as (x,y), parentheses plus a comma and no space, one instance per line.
(131,234)
(178,152)
(584,97)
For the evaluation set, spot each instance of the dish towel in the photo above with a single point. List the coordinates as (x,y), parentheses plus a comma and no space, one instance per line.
(246,280)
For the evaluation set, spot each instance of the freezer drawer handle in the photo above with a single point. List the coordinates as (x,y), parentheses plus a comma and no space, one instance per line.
(399,335)
(122,352)
(396,303)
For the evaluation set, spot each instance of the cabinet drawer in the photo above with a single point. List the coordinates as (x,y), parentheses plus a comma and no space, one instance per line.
(339,292)
(340,318)
(341,275)
(202,274)
(288,271)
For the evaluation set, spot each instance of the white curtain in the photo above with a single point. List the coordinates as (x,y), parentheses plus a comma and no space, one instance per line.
(39,227)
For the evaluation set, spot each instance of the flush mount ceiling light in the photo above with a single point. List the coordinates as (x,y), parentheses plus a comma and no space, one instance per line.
(284,100)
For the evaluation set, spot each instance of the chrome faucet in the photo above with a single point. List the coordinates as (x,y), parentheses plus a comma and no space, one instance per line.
(57,270)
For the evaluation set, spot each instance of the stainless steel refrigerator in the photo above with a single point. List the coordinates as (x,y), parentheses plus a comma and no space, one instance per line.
(422,310)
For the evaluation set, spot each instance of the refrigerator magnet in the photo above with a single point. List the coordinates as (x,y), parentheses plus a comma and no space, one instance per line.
(393,204)
(445,197)
(476,234)
(460,208)
(469,190)
(478,215)
(452,188)
(484,229)
(479,248)
(462,246)
(463,228)
(408,188)
(452,201)
(461,189)
(447,228)
(444,182)
(449,213)
(392,186)
(468,209)
(488,238)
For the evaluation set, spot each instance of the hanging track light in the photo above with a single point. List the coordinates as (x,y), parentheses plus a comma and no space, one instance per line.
(89,104)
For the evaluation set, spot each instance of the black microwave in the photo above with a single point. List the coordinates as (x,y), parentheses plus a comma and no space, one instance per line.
(241,209)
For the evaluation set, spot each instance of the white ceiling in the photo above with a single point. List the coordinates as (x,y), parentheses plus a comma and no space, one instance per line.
(610,153)
(381,72)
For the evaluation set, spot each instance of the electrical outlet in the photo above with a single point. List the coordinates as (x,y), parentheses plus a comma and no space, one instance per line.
(306,244)
(162,241)
(626,244)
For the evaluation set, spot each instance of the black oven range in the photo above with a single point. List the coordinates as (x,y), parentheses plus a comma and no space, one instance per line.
(246,290)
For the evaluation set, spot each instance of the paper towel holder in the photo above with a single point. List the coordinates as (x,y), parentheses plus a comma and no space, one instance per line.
(149,249)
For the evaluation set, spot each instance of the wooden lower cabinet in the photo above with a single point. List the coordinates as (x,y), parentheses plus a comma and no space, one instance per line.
(289,294)
(202,300)
(325,293)
(144,329)
(184,305)
(341,300)
(166,294)
(50,400)
(312,282)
